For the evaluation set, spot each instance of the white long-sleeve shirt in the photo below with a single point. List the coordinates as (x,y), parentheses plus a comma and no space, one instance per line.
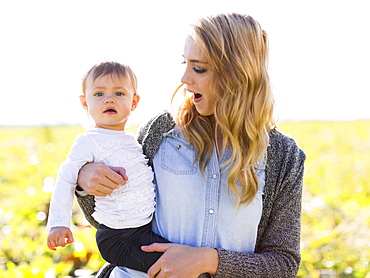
(131,205)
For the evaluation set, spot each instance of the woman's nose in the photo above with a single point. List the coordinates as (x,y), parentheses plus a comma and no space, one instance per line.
(186,78)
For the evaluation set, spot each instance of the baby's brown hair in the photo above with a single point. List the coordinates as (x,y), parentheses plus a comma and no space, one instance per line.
(116,70)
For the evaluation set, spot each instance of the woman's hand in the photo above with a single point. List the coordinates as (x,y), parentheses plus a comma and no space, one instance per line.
(99,179)
(182,260)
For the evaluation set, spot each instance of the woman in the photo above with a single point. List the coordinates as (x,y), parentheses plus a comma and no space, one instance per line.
(229,184)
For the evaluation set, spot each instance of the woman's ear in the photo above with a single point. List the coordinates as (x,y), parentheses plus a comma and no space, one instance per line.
(135,101)
(83,101)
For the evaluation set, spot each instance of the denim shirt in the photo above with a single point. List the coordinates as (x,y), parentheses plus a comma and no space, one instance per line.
(196,209)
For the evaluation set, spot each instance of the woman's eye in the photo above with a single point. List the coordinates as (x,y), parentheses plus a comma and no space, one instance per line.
(199,70)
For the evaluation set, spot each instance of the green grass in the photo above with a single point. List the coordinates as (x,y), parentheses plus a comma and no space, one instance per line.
(336,201)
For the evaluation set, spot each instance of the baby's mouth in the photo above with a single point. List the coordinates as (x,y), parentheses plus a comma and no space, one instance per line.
(110,110)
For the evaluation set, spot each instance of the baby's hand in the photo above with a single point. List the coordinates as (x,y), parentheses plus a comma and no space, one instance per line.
(59,236)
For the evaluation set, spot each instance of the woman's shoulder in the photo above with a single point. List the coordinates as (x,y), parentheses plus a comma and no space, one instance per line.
(150,135)
(283,143)
(162,121)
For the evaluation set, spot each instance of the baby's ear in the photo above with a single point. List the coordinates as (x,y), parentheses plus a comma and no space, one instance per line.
(135,101)
(83,101)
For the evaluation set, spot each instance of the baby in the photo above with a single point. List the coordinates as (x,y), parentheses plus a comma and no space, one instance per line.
(124,216)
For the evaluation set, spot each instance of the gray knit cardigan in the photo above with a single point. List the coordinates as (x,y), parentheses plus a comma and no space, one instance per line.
(277,251)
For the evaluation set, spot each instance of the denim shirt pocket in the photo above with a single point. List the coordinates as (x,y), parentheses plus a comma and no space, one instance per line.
(177,156)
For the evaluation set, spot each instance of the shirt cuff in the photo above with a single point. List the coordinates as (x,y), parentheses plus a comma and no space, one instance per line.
(80,192)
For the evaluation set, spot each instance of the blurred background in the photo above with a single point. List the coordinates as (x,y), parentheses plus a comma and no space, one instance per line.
(319,67)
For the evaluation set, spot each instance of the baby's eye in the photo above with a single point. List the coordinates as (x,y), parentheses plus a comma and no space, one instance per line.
(199,70)
(99,94)
(119,94)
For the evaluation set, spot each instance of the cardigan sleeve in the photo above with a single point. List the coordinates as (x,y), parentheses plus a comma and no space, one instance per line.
(87,205)
(277,252)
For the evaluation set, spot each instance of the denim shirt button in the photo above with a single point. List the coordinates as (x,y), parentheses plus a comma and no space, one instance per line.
(211,211)
(178,146)
(214,176)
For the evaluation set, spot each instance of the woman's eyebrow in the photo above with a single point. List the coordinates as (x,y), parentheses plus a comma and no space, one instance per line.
(197,61)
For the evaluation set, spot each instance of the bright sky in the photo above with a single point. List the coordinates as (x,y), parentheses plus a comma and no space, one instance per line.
(319,54)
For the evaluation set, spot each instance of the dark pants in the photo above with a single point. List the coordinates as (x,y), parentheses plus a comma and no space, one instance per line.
(121,247)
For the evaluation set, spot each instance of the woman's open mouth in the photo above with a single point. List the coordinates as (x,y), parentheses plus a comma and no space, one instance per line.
(197,97)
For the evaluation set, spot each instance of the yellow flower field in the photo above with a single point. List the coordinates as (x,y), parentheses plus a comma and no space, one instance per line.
(336,202)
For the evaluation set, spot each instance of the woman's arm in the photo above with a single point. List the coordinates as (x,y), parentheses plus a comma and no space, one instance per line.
(96,179)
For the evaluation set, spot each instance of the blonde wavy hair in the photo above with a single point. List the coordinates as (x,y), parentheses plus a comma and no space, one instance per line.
(236,49)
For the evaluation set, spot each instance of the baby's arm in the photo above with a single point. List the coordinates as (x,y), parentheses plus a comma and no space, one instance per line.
(62,199)
(59,236)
